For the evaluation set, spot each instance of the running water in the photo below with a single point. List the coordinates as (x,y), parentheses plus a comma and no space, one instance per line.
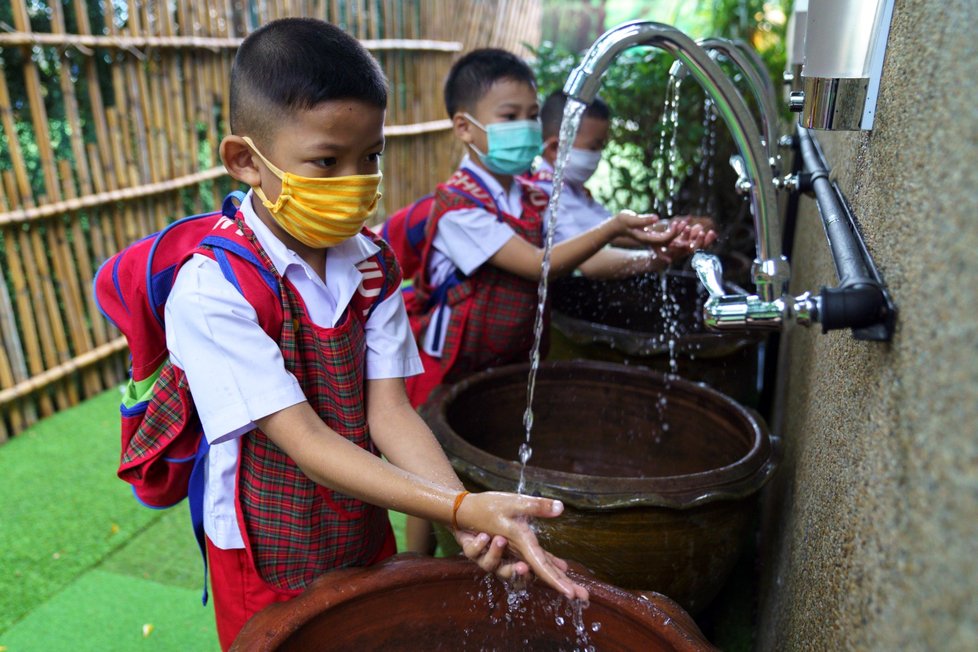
(667,162)
(707,168)
(568,131)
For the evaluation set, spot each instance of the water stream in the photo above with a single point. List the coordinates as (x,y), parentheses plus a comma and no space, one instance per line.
(667,161)
(707,167)
(568,131)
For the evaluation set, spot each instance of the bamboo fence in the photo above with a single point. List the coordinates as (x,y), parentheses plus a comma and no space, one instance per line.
(110,118)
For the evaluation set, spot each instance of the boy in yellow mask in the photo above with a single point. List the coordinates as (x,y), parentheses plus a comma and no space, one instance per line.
(298,417)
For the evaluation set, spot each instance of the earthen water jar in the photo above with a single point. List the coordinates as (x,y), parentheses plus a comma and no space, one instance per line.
(413,603)
(659,475)
(622,321)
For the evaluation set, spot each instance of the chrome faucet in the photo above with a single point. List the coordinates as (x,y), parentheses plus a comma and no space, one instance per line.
(766,103)
(737,311)
(770,270)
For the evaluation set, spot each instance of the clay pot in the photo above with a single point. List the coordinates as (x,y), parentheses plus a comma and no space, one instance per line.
(627,321)
(418,603)
(648,506)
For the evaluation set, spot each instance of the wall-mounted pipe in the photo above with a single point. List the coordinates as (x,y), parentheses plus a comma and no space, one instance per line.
(860,301)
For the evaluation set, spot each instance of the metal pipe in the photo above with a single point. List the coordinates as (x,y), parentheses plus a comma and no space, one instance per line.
(849,264)
(771,270)
(755,82)
(859,301)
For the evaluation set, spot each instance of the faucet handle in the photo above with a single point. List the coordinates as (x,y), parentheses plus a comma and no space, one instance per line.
(710,271)
(743,184)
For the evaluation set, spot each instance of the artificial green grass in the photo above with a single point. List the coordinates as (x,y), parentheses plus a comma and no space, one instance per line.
(77,551)
(63,508)
(144,616)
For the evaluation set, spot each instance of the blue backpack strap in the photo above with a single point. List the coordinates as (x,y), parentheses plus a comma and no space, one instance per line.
(231,204)
(485,188)
(415,233)
(195,497)
(195,489)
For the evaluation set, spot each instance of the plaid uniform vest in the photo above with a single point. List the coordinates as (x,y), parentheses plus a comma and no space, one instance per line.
(492,310)
(294,529)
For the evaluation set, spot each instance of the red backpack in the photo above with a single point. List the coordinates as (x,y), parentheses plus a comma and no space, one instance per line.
(404,231)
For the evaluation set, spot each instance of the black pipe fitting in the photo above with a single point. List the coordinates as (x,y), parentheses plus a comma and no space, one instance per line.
(857,306)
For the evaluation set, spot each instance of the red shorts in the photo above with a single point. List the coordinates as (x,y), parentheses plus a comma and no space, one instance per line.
(239,593)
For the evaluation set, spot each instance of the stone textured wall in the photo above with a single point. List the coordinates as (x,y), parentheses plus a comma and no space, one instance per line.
(871,538)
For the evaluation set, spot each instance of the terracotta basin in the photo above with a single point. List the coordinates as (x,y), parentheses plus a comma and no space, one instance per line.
(647,507)
(628,321)
(415,603)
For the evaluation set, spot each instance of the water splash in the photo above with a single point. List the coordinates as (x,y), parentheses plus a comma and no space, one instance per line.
(568,131)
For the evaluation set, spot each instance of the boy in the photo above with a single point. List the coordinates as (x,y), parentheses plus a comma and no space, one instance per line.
(578,209)
(475,295)
(295,484)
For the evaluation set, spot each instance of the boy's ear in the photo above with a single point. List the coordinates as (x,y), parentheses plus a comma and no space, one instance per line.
(462,128)
(239,160)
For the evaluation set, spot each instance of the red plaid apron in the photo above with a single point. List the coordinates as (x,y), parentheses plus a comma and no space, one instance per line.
(492,310)
(294,529)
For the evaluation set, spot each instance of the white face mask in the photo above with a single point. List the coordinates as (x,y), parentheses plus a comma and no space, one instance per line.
(581,164)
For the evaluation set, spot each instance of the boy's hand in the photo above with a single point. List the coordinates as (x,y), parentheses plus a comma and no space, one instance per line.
(647,229)
(514,550)
(695,233)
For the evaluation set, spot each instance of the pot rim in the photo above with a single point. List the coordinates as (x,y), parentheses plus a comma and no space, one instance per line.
(739,479)
(273,626)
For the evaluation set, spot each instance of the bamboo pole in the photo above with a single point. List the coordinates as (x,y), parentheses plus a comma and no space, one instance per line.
(56,373)
(109,197)
(39,116)
(135,45)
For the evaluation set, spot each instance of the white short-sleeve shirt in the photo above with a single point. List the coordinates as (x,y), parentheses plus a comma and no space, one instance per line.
(236,371)
(466,238)
(577,212)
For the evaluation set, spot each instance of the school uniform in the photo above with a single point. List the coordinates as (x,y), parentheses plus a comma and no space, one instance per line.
(270,530)
(578,210)
(467,314)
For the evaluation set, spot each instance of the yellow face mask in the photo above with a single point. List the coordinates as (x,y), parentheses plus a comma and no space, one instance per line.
(320,212)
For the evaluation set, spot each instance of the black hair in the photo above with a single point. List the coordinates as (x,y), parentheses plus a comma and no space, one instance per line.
(552,112)
(475,73)
(293,64)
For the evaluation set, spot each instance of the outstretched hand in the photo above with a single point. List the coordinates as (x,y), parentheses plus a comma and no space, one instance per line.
(512,550)
(646,229)
(692,234)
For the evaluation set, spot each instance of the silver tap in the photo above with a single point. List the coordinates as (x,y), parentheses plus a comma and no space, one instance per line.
(741,311)
(756,83)
(770,270)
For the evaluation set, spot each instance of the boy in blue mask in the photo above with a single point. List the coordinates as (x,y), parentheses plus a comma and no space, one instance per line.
(579,211)
(298,381)
(475,294)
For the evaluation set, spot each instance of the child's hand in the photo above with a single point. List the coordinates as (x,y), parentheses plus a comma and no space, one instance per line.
(647,229)
(694,234)
(514,550)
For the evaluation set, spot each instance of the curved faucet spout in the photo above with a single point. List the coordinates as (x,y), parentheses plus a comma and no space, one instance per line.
(770,268)
(755,82)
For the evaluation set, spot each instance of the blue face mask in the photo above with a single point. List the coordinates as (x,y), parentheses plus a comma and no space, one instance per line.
(512,145)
